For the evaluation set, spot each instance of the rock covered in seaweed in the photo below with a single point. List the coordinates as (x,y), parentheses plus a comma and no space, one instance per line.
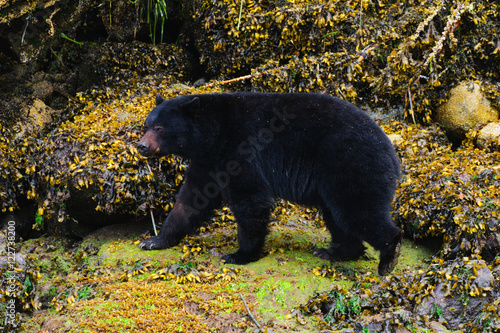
(466,108)
(489,137)
(453,307)
(87,168)
(459,294)
(451,195)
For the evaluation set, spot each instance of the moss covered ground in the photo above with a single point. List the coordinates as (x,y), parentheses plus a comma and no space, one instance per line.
(106,283)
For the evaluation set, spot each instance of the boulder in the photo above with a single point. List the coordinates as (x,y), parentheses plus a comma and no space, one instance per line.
(466,108)
(42,89)
(489,137)
(39,116)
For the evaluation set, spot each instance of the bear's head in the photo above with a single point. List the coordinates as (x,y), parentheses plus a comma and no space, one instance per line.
(170,128)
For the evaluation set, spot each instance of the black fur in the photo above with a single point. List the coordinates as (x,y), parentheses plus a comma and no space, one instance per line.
(248,148)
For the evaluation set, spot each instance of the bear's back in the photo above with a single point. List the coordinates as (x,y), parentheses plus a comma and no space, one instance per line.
(299,140)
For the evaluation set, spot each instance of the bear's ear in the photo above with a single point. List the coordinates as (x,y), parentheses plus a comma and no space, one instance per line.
(159,99)
(192,106)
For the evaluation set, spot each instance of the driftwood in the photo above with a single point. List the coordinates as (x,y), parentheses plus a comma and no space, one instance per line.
(237,79)
(250,313)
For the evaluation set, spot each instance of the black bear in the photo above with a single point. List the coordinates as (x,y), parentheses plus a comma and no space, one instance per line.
(248,148)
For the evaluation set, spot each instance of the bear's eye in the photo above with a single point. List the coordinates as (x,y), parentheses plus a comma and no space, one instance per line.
(158,129)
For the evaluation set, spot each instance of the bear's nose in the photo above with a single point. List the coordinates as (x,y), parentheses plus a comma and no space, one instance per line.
(142,147)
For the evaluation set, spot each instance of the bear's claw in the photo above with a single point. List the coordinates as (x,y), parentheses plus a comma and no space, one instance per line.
(389,257)
(153,243)
(322,253)
(239,258)
(338,253)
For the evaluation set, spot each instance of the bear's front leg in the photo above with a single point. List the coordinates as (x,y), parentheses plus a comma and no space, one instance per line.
(252,231)
(191,208)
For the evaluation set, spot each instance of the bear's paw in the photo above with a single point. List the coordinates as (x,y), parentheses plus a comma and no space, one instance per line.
(389,256)
(240,258)
(153,243)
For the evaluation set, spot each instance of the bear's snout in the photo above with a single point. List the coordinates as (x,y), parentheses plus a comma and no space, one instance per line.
(148,146)
(143,148)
